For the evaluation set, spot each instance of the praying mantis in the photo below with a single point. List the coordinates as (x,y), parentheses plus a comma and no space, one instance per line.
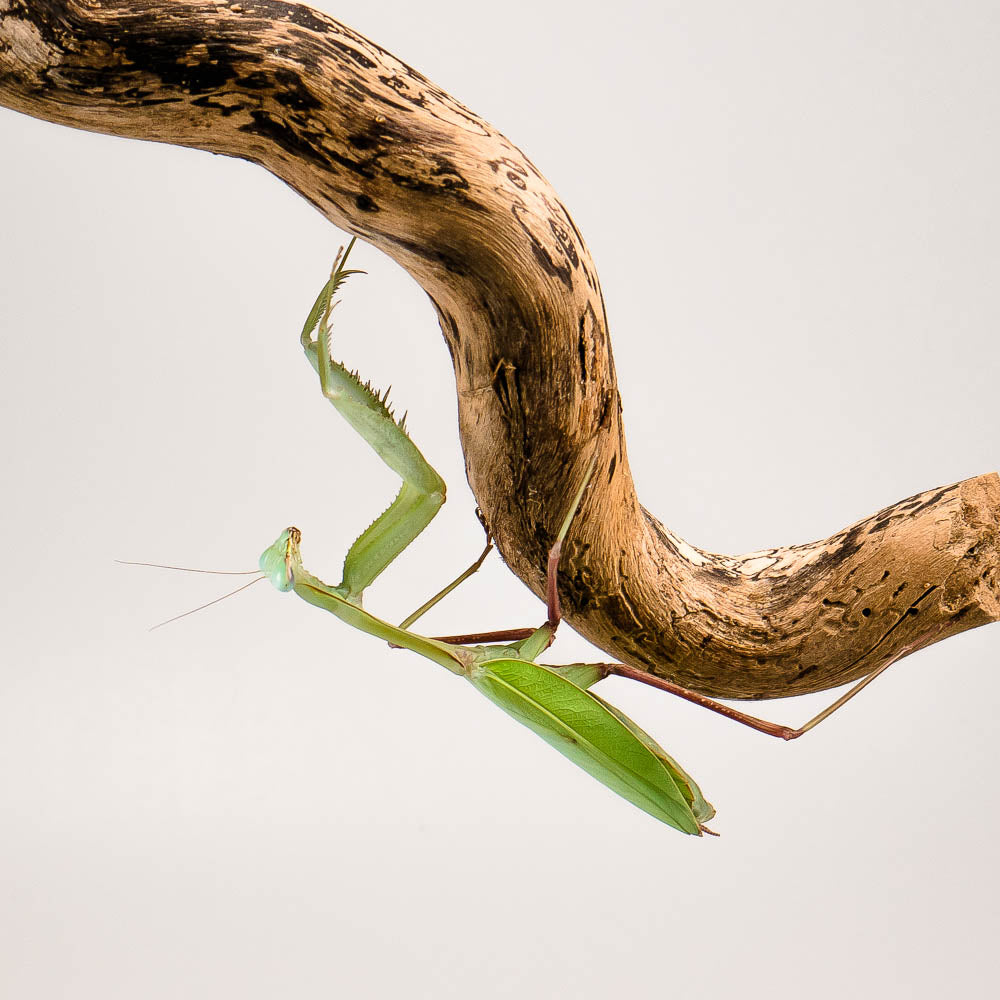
(555,702)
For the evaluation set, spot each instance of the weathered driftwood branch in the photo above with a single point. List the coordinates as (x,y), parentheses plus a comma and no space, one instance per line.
(385,154)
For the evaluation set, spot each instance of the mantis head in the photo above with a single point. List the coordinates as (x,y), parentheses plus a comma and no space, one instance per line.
(280,562)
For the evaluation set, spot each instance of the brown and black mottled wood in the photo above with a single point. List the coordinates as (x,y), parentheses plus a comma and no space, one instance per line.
(385,154)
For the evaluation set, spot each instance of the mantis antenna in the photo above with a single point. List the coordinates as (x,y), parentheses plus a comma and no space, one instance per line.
(201,607)
(189,569)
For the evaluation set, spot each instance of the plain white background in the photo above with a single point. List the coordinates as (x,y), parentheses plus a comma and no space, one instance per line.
(795,213)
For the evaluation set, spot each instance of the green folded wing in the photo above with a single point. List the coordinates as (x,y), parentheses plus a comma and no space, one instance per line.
(585,729)
(702,809)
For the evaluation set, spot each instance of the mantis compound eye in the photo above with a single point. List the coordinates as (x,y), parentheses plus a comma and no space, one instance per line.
(277,561)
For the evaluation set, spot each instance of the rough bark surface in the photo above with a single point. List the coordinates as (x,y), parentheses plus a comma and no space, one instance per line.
(385,154)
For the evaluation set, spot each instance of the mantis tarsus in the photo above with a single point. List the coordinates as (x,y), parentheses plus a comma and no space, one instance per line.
(553,701)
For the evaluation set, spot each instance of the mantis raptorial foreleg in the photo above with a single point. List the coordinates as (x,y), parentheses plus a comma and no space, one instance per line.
(423,490)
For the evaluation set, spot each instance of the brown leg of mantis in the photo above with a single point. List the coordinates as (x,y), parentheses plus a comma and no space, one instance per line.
(515,634)
(444,592)
(500,635)
(552,596)
(476,638)
(761,725)
(554,612)
(504,635)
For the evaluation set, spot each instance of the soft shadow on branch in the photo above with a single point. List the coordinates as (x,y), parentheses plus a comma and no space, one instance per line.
(385,154)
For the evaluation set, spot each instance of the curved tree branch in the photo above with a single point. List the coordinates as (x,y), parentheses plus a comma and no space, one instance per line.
(385,154)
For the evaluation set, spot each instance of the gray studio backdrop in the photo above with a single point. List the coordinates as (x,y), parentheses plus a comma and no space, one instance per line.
(794,209)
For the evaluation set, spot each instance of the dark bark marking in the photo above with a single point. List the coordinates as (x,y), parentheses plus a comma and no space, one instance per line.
(364,142)
(278,131)
(453,326)
(402,89)
(448,260)
(149,102)
(933,500)
(354,55)
(604,416)
(561,234)
(303,17)
(513,167)
(542,256)
(449,185)
(224,110)
(181,58)
(665,540)
(911,611)
(845,545)
(294,94)
(586,344)
(257,80)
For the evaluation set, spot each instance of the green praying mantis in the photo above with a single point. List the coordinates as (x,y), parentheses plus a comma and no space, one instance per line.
(555,702)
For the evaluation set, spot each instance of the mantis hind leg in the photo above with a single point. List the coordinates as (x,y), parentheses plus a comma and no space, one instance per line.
(541,638)
(602,670)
